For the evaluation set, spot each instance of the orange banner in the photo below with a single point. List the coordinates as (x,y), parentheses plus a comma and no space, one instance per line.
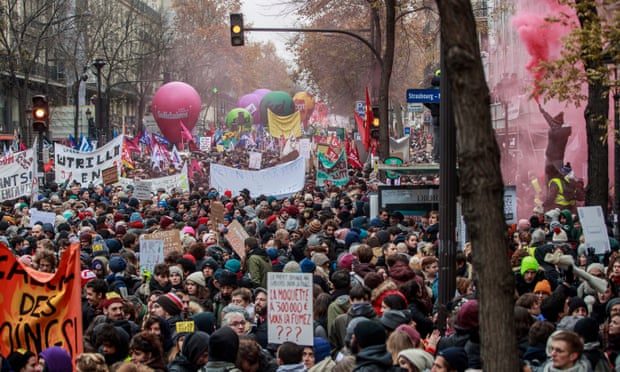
(39,310)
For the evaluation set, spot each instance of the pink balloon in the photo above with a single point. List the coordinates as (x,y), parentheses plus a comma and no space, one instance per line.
(175,103)
(251,102)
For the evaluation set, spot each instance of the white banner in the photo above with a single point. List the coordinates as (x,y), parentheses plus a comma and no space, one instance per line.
(179,181)
(280,181)
(17,172)
(86,167)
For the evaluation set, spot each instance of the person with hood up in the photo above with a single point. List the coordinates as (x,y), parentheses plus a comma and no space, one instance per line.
(368,346)
(360,307)
(112,342)
(145,348)
(55,359)
(467,334)
(223,347)
(194,353)
(257,262)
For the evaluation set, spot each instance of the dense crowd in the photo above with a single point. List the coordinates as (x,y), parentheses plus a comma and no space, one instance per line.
(375,284)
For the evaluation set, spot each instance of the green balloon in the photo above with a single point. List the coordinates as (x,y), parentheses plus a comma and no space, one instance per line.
(233,118)
(279,102)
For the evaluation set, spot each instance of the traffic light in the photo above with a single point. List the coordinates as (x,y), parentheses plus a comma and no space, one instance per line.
(236,29)
(374,129)
(40,113)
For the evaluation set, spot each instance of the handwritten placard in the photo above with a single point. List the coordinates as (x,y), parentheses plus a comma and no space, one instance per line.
(185,326)
(41,216)
(217,212)
(171,238)
(142,190)
(151,253)
(236,236)
(109,175)
(290,308)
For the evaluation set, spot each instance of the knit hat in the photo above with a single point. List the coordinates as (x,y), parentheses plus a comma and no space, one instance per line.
(538,236)
(18,359)
(86,276)
(117,264)
(204,321)
(376,222)
(212,263)
(456,358)
(346,261)
(383,236)
(321,349)
(99,263)
(177,270)
(190,257)
(559,235)
(467,317)
(307,266)
(314,226)
(413,333)
(369,333)
(165,221)
(195,344)
(587,328)
(114,245)
(528,263)
(575,303)
(223,345)
(228,278)
(393,318)
(56,359)
(320,259)
(421,359)
(611,303)
(197,278)
(189,230)
(270,219)
(351,327)
(171,303)
(233,265)
(291,267)
(543,286)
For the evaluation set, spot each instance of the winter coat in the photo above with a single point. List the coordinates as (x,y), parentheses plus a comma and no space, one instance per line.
(376,295)
(339,306)
(258,264)
(373,358)
(400,273)
(181,364)
(219,366)
(338,330)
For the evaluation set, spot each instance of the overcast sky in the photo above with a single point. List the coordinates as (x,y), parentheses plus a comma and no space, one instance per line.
(266,13)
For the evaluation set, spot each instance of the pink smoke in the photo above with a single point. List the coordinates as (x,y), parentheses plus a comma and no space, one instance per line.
(542,37)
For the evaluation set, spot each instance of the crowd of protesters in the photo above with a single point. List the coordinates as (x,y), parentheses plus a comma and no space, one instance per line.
(375,284)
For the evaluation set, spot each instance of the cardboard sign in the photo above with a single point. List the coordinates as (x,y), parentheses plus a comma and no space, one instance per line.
(109,175)
(171,238)
(40,310)
(41,216)
(151,253)
(217,212)
(290,308)
(236,237)
(142,190)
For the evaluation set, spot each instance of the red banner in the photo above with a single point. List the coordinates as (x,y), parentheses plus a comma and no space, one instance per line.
(39,310)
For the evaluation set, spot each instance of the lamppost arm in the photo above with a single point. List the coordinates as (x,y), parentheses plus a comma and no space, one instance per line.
(323,30)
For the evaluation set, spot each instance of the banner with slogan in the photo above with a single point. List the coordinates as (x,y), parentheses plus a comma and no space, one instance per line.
(87,167)
(17,174)
(284,125)
(335,172)
(179,181)
(39,310)
(290,308)
(281,180)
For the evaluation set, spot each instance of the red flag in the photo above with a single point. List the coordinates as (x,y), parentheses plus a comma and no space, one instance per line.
(353,157)
(369,117)
(130,144)
(362,131)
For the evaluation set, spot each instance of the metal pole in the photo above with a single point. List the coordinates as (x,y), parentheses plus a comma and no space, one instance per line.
(616,157)
(77,110)
(98,114)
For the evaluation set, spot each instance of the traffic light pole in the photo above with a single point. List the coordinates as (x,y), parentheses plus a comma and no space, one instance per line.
(323,30)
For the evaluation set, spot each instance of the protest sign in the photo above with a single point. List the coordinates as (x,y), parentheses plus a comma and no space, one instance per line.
(40,310)
(151,253)
(110,175)
(17,175)
(86,167)
(171,238)
(217,212)
(255,160)
(290,308)
(280,181)
(236,236)
(142,190)
(178,181)
(594,229)
(41,216)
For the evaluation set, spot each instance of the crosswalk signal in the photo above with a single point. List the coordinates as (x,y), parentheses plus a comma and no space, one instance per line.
(236,29)
(40,113)
(374,129)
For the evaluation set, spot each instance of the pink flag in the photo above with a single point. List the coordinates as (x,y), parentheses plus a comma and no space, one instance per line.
(185,133)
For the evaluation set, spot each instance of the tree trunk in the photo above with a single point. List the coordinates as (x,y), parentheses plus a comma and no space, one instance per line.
(480,184)
(386,73)
(596,111)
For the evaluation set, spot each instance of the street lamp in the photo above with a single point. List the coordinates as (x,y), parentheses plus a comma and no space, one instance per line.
(89,118)
(98,64)
(616,137)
